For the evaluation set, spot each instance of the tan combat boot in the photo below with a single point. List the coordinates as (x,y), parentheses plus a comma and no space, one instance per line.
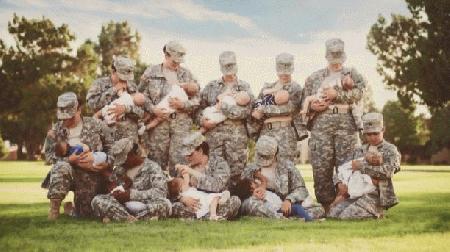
(53,213)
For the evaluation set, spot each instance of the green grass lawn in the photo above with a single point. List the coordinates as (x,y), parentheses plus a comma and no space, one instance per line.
(419,223)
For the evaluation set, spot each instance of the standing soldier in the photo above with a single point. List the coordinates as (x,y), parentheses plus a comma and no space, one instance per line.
(76,172)
(106,89)
(277,105)
(163,140)
(333,131)
(229,137)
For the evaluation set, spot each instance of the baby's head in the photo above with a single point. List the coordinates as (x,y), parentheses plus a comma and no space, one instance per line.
(245,187)
(191,88)
(174,187)
(242,98)
(138,99)
(61,148)
(281,97)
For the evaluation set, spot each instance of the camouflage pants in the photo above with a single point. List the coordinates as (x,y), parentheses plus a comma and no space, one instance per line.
(333,141)
(163,142)
(229,140)
(287,141)
(228,210)
(127,128)
(256,207)
(364,207)
(107,206)
(85,185)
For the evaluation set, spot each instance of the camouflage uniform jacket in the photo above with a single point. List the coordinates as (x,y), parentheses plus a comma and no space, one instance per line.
(314,81)
(294,103)
(154,86)
(208,97)
(94,134)
(289,182)
(384,172)
(102,93)
(216,176)
(149,183)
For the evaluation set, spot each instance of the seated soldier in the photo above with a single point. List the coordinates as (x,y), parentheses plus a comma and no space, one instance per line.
(380,166)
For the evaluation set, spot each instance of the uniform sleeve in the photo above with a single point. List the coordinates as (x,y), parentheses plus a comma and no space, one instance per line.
(96,97)
(49,150)
(234,112)
(391,164)
(355,94)
(144,88)
(216,179)
(157,186)
(297,188)
(107,138)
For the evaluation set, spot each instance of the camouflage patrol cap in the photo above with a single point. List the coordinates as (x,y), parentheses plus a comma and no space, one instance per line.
(228,64)
(190,142)
(372,122)
(124,67)
(284,63)
(120,150)
(335,51)
(176,51)
(67,105)
(265,150)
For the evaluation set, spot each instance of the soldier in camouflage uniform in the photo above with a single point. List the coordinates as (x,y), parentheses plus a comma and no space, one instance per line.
(75,172)
(283,178)
(163,141)
(380,168)
(149,187)
(276,120)
(105,90)
(214,176)
(230,136)
(333,132)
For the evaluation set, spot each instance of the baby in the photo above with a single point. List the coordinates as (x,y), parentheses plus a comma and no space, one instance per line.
(357,183)
(176,91)
(272,96)
(306,115)
(64,149)
(272,201)
(208,201)
(214,112)
(125,98)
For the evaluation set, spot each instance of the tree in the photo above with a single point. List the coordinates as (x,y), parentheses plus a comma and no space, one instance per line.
(414,52)
(440,128)
(368,102)
(117,39)
(401,126)
(33,72)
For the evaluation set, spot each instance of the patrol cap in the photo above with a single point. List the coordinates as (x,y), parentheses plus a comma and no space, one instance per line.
(124,67)
(228,64)
(120,150)
(372,122)
(335,51)
(190,142)
(67,105)
(176,51)
(284,63)
(266,146)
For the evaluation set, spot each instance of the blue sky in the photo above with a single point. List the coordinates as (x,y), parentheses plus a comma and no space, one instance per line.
(256,30)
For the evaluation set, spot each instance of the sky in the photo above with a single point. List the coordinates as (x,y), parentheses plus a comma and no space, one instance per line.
(257,30)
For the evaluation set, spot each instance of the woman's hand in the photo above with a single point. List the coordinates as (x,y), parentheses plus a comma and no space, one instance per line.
(118,111)
(208,124)
(356,165)
(191,203)
(286,208)
(176,103)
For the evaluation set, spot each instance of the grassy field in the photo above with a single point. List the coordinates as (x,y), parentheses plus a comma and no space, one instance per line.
(419,223)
